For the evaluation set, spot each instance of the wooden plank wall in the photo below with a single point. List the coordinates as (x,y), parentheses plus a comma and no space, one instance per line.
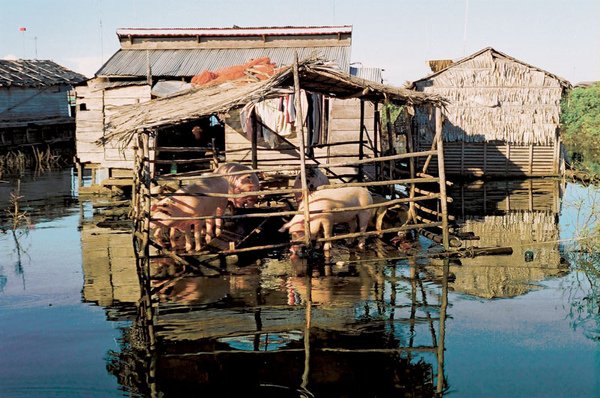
(343,125)
(497,159)
(93,105)
(32,103)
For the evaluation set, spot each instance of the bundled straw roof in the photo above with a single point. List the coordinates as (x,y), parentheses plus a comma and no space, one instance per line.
(315,75)
(493,96)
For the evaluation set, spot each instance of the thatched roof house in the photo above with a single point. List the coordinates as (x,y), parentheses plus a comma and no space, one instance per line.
(34,100)
(502,117)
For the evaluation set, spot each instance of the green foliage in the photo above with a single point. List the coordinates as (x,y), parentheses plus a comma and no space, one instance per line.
(580,126)
(581,112)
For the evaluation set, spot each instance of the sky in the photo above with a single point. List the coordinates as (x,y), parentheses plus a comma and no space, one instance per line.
(559,36)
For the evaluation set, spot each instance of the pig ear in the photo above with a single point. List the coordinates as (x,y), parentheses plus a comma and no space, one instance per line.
(285,227)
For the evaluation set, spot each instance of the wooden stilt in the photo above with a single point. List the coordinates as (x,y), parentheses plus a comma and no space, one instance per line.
(305,191)
(442,177)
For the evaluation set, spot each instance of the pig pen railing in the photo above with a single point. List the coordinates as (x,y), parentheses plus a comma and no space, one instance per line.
(420,217)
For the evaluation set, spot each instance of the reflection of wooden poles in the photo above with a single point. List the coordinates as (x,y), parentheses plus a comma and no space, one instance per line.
(442,334)
(308,316)
(299,117)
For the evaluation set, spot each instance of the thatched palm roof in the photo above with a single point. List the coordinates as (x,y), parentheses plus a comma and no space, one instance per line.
(315,75)
(563,82)
(494,97)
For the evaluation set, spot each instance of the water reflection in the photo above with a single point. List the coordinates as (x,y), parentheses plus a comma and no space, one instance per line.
(522,215)
(288,328)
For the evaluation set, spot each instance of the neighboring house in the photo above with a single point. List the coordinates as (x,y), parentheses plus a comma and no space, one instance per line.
(36,101)
(155,63)
(502,117)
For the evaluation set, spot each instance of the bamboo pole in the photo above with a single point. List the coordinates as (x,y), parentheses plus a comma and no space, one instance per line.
(361,138)
(299,115)
(311,212)
(442,176)
(411,165)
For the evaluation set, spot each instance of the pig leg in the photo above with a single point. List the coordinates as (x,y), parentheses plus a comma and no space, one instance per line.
(198,234)
(187,231)
(158,236)
(363,223)
(327,233)
(209,227)
(218,221)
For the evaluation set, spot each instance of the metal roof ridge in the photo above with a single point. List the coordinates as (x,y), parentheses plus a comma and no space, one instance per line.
(230,31)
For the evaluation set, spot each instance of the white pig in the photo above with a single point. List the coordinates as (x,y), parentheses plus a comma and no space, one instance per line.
(187,205)
(240,183)
(328,199)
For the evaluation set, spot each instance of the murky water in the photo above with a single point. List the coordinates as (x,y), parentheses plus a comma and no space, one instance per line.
(524,324)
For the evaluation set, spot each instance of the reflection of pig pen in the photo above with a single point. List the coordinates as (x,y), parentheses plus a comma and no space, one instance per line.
(377,168)
(281,327)
(520,215)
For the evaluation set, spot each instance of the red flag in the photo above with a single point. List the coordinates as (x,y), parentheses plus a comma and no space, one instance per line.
(22,29)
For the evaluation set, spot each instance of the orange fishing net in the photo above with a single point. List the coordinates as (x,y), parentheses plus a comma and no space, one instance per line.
(254,70)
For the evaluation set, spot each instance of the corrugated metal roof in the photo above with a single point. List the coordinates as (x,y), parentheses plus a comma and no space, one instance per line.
(190,62)
(36,73)
(372,74)
(236,31)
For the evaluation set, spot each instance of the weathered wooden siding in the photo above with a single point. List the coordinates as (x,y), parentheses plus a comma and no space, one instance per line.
(94,104)
(344,125)
(496,159)
(32,103)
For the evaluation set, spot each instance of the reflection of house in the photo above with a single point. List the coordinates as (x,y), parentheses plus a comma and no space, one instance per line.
(108,262)
(522,215)
(35,103)
(502,117)
(154,63)
(278,335)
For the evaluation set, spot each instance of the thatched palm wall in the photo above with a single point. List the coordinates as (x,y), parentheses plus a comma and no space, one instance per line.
(493,97)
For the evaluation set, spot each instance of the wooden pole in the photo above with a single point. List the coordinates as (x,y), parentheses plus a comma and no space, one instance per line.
(376,137)
(412,213)
(442,176)
(390,144)
(254,144)
(299,117)
(361,139)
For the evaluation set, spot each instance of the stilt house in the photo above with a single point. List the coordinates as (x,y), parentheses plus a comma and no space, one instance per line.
(36,99)
(154,63)
(502,118)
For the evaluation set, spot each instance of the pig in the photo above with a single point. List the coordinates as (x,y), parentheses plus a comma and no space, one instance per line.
(240,183)
(184,205)
(328,199)
(314,179)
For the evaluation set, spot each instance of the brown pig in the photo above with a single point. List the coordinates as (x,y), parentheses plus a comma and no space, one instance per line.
(240,183)
(185,203)
(328,199)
